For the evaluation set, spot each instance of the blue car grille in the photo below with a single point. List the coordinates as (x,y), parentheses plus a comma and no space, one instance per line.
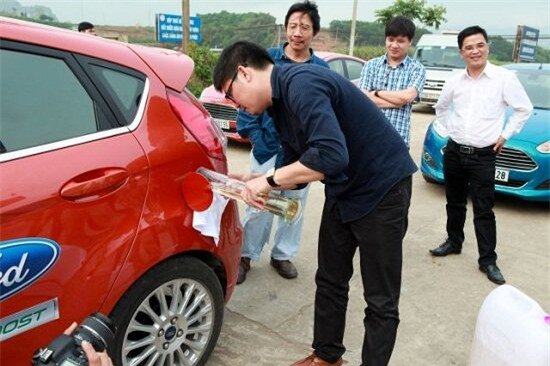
(515,159)
(221,111)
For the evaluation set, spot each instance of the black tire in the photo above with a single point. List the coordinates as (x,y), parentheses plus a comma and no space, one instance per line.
(168,276)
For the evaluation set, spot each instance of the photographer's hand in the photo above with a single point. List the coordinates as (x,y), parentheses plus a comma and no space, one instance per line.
(94,358)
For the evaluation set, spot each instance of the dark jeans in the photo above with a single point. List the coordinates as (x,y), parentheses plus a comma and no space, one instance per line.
(476,173)
(379,236)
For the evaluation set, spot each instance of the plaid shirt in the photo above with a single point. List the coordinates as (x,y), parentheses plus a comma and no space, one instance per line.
(377,74)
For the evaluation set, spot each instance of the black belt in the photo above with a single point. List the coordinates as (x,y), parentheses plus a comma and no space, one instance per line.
(470,150)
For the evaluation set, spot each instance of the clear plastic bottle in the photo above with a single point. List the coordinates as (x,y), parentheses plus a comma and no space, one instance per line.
(288,208)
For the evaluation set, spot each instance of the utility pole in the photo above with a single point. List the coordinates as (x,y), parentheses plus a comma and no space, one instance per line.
(185,25)
(352,35)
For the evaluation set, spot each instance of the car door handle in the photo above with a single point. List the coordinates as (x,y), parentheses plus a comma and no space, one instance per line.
(95,182)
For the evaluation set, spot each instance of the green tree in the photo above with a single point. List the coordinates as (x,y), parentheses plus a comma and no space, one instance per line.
(366,33)
(205,60)
(221,29)
(415,10)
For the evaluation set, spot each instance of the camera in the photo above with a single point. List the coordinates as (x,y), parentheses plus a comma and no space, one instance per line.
(66,350)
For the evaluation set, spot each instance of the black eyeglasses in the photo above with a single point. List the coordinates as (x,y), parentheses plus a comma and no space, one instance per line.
(230,88)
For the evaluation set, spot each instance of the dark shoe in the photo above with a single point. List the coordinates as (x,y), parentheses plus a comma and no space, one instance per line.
(244,267)
(493,273)
(313,360)
(285,268)
(445,248)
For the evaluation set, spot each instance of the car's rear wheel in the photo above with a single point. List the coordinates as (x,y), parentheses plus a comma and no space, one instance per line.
(171,316)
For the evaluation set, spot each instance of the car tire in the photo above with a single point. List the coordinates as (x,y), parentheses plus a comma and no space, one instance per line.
(429,179)
(187,325)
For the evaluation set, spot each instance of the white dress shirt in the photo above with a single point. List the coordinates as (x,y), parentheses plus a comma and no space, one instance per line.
(472,110)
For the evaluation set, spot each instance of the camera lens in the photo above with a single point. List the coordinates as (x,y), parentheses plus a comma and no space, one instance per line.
(98,330)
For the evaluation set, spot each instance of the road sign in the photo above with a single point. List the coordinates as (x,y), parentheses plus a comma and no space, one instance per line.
(526,44)
(169,30)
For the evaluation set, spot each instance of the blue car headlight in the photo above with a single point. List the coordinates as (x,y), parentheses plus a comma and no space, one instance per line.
(544,147)
(440,129)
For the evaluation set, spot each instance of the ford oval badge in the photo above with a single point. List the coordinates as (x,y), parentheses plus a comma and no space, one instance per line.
(23,261)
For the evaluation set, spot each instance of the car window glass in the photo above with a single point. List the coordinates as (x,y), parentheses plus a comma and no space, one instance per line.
(125,89)
(41,101)
(354,69)
(337,66)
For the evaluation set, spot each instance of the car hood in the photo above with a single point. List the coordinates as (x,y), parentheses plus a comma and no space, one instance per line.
(537,127)
(211,95)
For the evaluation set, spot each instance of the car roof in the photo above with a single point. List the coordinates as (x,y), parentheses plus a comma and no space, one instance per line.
(528,66)
(173,68)
(327,56)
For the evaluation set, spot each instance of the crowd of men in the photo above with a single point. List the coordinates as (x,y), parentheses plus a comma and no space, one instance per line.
(307,123)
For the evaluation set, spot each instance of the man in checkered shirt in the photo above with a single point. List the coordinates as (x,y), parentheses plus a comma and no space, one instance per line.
(393,81)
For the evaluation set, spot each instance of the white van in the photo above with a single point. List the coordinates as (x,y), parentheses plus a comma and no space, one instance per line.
(440,56)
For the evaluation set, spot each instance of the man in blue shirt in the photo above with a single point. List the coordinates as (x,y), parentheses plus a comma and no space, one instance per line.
(302,23)
(393,81)
(331,132)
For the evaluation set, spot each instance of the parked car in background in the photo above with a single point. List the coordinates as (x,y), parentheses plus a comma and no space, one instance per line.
(224,111)
(523,166)
(440,56)
(96,136)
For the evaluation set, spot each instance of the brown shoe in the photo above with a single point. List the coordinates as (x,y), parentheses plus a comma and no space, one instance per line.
(285,268)
(313,360)
(244,267)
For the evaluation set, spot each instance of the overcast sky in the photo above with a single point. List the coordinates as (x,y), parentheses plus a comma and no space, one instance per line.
(498,17)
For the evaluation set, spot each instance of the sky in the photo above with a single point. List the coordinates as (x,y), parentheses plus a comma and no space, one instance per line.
(498,17)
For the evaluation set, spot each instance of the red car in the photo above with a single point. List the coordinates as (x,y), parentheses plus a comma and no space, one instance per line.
(224,111)
(96,137)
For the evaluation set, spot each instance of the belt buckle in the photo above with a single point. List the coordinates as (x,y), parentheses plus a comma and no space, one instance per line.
(466,149)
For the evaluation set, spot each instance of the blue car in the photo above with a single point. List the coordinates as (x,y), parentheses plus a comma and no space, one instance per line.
(523,166)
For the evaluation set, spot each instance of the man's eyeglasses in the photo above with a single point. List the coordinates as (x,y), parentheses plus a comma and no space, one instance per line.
(305,28)
(228,93)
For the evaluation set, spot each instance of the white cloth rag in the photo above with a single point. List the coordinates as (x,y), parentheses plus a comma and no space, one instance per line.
(208,222)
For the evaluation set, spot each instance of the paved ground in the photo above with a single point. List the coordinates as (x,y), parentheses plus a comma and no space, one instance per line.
(269,319)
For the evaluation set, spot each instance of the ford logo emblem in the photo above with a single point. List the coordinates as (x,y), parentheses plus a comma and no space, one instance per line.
(23,261)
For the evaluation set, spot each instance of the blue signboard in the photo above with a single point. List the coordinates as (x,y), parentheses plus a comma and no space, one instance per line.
(528,43)
(169,29)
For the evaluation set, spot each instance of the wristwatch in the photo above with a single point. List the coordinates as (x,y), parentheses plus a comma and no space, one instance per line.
(271,181)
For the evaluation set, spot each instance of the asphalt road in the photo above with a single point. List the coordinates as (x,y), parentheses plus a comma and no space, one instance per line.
(269,320)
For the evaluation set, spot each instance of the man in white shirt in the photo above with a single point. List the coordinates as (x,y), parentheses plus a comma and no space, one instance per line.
(471,107)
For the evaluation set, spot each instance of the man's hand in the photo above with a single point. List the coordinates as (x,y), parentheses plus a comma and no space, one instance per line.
(499,144)
(256,191)
(94,358)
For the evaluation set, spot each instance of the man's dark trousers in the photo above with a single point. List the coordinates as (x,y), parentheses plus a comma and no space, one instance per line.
(379,236)
(474,172)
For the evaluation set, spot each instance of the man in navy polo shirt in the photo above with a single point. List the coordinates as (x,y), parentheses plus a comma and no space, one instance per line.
(302,23)
(331,132)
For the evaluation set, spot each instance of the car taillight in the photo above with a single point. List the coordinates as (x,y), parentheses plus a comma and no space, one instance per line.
(205,131)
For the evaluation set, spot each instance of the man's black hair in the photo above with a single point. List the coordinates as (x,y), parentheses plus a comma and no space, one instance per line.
(82,26)
(309,8)
(400,26)
(239,53)
(470,31)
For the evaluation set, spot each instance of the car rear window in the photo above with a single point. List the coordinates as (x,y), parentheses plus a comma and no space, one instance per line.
(125,89)
(41,101)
